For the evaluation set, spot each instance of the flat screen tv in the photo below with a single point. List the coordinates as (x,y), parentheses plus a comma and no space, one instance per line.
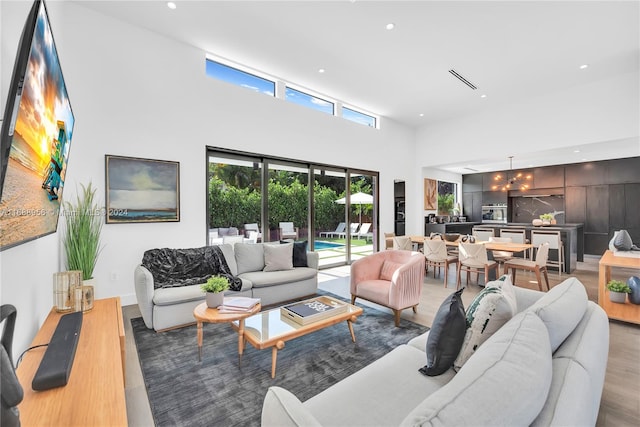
(37,128)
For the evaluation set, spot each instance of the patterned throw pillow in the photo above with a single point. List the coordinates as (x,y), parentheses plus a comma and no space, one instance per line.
(494,306)
(388,268)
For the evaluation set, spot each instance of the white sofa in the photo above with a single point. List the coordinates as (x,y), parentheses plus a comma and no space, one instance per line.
(166,308)
(514,378)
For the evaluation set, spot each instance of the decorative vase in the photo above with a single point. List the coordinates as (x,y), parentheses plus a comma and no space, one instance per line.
(634,284)
(546,222)
(214,299)
(619,297)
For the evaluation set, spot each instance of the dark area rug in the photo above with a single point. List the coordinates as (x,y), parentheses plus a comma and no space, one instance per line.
(216,392)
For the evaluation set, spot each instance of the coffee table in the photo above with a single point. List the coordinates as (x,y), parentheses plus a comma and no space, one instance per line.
(271,329)
(203,314)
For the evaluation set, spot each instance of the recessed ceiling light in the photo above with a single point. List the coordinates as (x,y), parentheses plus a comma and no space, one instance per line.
(171,5)
(390,26)
(483,96)
(584,66)
(421,114)
(321,70)
(576,151)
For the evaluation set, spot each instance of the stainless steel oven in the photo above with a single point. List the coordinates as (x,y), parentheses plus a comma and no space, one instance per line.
(494,214)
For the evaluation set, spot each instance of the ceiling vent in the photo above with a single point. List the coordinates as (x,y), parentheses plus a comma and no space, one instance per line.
(471,169)
(458,76)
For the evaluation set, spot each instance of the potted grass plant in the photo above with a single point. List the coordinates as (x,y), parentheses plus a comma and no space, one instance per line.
(215,287)
(81,238)
(618,291)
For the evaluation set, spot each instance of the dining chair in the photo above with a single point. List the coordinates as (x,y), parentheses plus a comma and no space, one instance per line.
(482,234)
(472,258)
(402,243)
(388,240)
(554,239)
(538,266)
(435,252)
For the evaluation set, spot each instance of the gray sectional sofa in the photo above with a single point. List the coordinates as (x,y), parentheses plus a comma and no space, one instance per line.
(545,366)
(170,307)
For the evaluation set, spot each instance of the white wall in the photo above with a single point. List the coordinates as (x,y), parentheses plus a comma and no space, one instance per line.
(135,93)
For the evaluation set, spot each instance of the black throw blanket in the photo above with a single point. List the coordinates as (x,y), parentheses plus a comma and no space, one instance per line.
(182,267)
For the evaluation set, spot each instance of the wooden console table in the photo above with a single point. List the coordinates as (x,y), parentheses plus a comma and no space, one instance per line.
(94,394)
(626,312)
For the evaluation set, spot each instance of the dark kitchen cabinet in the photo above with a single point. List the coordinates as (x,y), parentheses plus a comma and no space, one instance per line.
(548,177)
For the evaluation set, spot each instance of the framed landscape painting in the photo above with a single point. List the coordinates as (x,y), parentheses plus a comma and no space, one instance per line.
(141,190)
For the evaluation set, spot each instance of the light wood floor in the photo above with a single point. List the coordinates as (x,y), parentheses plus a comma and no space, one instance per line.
(620,404)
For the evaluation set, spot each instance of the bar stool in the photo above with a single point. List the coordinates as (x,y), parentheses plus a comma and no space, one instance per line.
(482,234)
(554,240)
(517,235)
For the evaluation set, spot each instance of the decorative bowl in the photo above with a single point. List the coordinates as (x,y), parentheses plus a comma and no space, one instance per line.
(451,237)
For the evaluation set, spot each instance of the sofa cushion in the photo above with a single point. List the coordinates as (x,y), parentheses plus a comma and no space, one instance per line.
(259,279)
(249,256)
(229,256)
(282,409)
(494,306)
(561,309)
(446,335)
(388,268)
(278,257)
(380,394)
(505,382)
(170,296)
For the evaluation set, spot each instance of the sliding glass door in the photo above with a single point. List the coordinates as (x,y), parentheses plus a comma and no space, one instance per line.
(253,198)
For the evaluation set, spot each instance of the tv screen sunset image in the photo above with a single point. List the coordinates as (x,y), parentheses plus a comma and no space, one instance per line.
(37,164)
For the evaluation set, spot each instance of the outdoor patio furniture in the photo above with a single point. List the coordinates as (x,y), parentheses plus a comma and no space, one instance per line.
(339,229)
(288,231)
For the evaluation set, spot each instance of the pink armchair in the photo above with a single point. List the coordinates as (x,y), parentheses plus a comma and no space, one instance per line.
(392,278)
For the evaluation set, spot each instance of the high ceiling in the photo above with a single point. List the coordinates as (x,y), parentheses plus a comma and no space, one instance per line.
(509,50)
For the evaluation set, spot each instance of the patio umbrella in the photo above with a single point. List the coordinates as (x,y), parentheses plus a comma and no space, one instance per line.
(357,199)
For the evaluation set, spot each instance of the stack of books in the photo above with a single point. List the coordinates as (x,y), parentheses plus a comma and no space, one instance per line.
(238,305)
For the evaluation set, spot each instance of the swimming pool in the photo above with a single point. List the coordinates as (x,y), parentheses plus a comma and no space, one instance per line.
(321,244)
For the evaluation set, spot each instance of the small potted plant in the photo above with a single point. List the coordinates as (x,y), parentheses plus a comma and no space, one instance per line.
(215,287)
(618,291)
(547,219)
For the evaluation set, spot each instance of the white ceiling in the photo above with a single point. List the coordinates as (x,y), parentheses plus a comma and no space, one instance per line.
(510,50)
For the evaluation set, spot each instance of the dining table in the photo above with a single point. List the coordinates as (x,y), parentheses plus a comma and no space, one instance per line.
(491,246)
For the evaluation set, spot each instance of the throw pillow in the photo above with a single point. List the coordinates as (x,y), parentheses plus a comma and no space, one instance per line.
(494,306)
(446,335)
(388,268)
(299,253)
(249,257)
(278,257)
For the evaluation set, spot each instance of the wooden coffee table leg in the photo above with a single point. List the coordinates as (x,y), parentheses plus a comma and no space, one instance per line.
(240,341)
(350,324)
(199,341)
(274,356)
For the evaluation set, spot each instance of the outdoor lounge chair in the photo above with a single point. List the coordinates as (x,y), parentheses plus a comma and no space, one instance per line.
(363,232)
(339,229)
(353,230)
